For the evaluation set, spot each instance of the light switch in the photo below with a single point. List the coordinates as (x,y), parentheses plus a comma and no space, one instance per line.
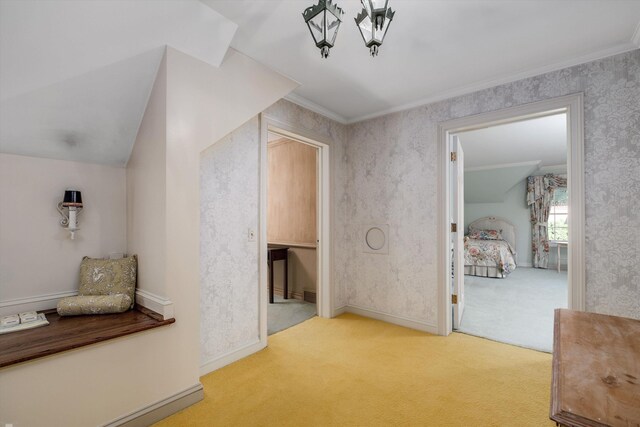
(252,235)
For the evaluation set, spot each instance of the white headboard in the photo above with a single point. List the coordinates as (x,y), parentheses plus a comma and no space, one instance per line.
(495,223)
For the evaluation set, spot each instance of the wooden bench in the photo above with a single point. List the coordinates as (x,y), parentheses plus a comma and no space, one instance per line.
(67,333)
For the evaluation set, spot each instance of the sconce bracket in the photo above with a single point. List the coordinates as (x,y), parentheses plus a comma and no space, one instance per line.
(64,222)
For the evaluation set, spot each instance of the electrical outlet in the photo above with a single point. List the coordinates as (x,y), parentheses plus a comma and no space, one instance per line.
(252,235)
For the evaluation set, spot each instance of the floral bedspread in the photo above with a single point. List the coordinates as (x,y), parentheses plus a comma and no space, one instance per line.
(489,253)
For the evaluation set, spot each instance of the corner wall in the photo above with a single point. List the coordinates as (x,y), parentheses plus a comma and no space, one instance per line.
(146,190)
(39,263)
(192,105)
(203,105)
(230,195)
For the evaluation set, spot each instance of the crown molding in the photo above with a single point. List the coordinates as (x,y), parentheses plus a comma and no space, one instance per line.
(635,39)
(503,166)
(475,87)
(508,78)
(310,105)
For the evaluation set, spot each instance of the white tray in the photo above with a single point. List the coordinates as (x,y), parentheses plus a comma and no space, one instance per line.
(42,321)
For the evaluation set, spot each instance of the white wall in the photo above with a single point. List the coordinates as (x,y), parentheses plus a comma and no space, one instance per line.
(515,210)
(203,105)
(126,374)
(146,190)
(106,381)
(37,256)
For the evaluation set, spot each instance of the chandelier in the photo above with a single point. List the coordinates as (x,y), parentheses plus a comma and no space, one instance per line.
(324,20)
(373,22)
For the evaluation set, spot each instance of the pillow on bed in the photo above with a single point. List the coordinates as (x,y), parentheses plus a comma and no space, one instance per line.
(485,234)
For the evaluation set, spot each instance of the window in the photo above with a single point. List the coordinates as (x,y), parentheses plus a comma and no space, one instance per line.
(558,225)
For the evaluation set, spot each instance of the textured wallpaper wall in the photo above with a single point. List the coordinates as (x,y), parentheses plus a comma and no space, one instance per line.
(229,206)
(392,175)
(229,190)
(385,171)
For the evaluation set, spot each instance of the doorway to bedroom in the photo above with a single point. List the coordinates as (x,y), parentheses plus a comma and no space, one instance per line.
(510,236)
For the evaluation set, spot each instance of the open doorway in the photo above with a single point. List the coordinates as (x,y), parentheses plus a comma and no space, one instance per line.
(514,214)
(292,231)
(515,206)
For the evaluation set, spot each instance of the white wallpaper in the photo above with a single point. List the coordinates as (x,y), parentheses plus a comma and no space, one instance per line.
(392,166)
(229,203)
(385,171)
(229,194)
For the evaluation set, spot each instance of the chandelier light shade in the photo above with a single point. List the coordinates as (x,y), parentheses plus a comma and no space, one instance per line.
(323,21)
(373,22)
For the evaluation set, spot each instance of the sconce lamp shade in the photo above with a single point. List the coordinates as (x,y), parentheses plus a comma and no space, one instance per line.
(72,198)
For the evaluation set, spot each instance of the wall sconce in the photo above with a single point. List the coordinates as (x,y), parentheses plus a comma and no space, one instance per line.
(73,202)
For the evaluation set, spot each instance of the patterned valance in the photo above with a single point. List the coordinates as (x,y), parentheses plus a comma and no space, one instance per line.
(540,191)
(538,186)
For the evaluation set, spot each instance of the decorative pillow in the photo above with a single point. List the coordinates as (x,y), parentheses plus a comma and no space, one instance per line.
(94,304)
(485,234)
(109,277)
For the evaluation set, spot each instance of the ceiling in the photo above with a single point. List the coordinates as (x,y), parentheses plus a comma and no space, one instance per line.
(75,76)
(434,49)
(543,140)
(499,157)
(492,185)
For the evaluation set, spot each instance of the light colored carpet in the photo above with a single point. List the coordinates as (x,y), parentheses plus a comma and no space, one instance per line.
(516,310)
(354,371)
(284,313)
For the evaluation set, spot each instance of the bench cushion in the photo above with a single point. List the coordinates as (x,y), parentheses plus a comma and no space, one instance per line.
(94,304)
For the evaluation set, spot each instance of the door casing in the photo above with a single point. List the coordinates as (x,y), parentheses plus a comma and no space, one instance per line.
(324,245)
(573,106)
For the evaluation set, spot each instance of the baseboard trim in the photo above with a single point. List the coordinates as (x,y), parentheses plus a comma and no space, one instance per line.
(153,302)
(340,310)
(391,318)
(155,412)
(292,294)
(37,303)
(230,357)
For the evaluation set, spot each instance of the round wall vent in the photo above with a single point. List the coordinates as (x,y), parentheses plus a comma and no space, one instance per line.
(375,238)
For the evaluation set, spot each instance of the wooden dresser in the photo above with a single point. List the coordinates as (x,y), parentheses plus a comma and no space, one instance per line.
(596,370)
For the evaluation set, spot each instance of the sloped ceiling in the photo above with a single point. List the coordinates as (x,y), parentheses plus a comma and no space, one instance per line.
(75,76)
(497,158)
(543,139)
(492,185)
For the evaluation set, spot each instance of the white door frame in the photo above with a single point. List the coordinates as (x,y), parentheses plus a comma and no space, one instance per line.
(573,105)
(324,244)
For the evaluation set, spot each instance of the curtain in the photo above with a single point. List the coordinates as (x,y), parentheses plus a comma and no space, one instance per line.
(539,197)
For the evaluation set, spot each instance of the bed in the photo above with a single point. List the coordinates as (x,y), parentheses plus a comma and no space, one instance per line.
(489,248)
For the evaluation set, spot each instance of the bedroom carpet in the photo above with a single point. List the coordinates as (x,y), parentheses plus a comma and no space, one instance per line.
(354,371)
(284,313)
(517,310)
